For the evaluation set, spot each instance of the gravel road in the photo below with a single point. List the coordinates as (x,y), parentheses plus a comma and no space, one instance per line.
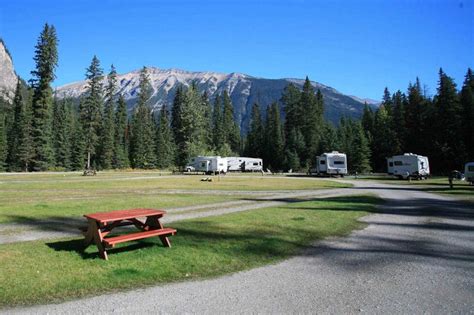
(415,256)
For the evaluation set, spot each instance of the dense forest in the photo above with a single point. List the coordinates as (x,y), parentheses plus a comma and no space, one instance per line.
(39,132)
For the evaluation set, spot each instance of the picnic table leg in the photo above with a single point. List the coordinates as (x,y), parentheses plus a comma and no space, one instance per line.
(97,237)
(153,222)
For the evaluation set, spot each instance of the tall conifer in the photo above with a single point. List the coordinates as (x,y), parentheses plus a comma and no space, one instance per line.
(46,59)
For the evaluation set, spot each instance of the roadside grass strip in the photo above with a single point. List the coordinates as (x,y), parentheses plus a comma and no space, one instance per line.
(40,272)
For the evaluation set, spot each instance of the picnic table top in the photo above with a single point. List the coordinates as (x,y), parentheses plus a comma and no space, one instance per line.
(123,214)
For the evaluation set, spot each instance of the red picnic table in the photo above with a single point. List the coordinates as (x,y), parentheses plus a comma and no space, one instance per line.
(102,223)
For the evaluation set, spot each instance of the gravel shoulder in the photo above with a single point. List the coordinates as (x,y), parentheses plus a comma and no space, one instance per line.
(415,256)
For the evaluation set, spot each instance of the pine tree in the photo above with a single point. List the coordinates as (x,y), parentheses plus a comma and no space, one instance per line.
(415,117)
(3,139)
(108,126)
(46,59)
(274,141)
(91,111)
(467,102)
(398,120)
(384,144)
(61,134)
(176,113)
(165,149)
(217,125)
(294,144)
(142,140)
(15,129)
(231,129)
(121,152)
(449,124)
(290,99)
(26,152)
(78,143)
(360,151)
(255,135)
(312,120)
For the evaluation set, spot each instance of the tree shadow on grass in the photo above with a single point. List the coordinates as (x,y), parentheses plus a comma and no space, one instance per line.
(77,246)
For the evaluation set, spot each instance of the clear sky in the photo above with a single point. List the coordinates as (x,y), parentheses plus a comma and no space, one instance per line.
(357,47)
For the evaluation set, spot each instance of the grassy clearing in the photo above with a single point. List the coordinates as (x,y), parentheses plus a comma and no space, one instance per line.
(52,271)
(30,197)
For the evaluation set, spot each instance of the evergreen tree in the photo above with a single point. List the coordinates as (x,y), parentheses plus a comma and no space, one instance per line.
(46,59)
(15,129)
(61,134)
(165,149)
(467,102)
(176,113)
(398,120)
(294,144)
(25,152)
(255,135)
(3,139)
(328,138)
(360,151)
(415,117)
(78,143)
(208,120)
(449,124)
(290,99)
(218,139)
(91,111)
(121,152)
(108,126)
(312,121)
(142,141)
(274,141)
(384,144)
(231,129)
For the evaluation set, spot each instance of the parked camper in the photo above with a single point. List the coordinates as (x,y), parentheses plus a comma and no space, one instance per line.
(207,164)
(408,165)
(244,164)
(331,163)
(469,172)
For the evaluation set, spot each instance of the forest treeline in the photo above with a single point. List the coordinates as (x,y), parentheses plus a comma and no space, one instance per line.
(39,132)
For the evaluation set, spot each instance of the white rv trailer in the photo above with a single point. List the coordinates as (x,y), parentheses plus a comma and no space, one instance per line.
(207,164)
(244,164)
(408,165)
(469,172)
(331,163)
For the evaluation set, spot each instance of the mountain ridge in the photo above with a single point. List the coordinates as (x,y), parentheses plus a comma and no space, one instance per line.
(243,89)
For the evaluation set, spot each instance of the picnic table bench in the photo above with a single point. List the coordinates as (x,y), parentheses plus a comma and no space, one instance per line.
(100,224)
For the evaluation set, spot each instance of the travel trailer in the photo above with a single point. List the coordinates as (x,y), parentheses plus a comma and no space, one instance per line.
(244,164)
(207,164)
(332,163)
(469,172)
(408,165)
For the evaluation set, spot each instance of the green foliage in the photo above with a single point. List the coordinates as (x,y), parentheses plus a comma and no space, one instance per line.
(467,103)
(3,138)
(142,128)
(108,126)
(46,59)
(165,147)
(62,134)
(121,142)
(231,131)
(274,142)
(255,136)
(91,111)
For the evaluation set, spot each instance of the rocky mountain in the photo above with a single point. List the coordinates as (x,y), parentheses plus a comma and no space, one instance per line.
(243,89)
(8,77)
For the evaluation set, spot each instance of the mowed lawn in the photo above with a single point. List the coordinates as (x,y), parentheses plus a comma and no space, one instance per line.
(26,197)
(56,270)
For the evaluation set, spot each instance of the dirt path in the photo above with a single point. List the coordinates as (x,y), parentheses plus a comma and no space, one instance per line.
(416,256)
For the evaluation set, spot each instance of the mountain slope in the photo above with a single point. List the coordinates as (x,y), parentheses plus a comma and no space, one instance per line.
(244,90)
(8,77)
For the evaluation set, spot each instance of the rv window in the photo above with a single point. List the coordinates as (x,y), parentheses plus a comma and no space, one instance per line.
(322,162)
(398,163)
(338,163)
(221,164)
(255,163)
(203,164)
(390,164)
(470,168)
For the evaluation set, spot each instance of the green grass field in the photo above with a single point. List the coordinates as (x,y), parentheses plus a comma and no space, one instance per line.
(56,270)
(25,197)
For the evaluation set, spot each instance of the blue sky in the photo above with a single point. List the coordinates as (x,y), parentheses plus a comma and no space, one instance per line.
(357,47)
